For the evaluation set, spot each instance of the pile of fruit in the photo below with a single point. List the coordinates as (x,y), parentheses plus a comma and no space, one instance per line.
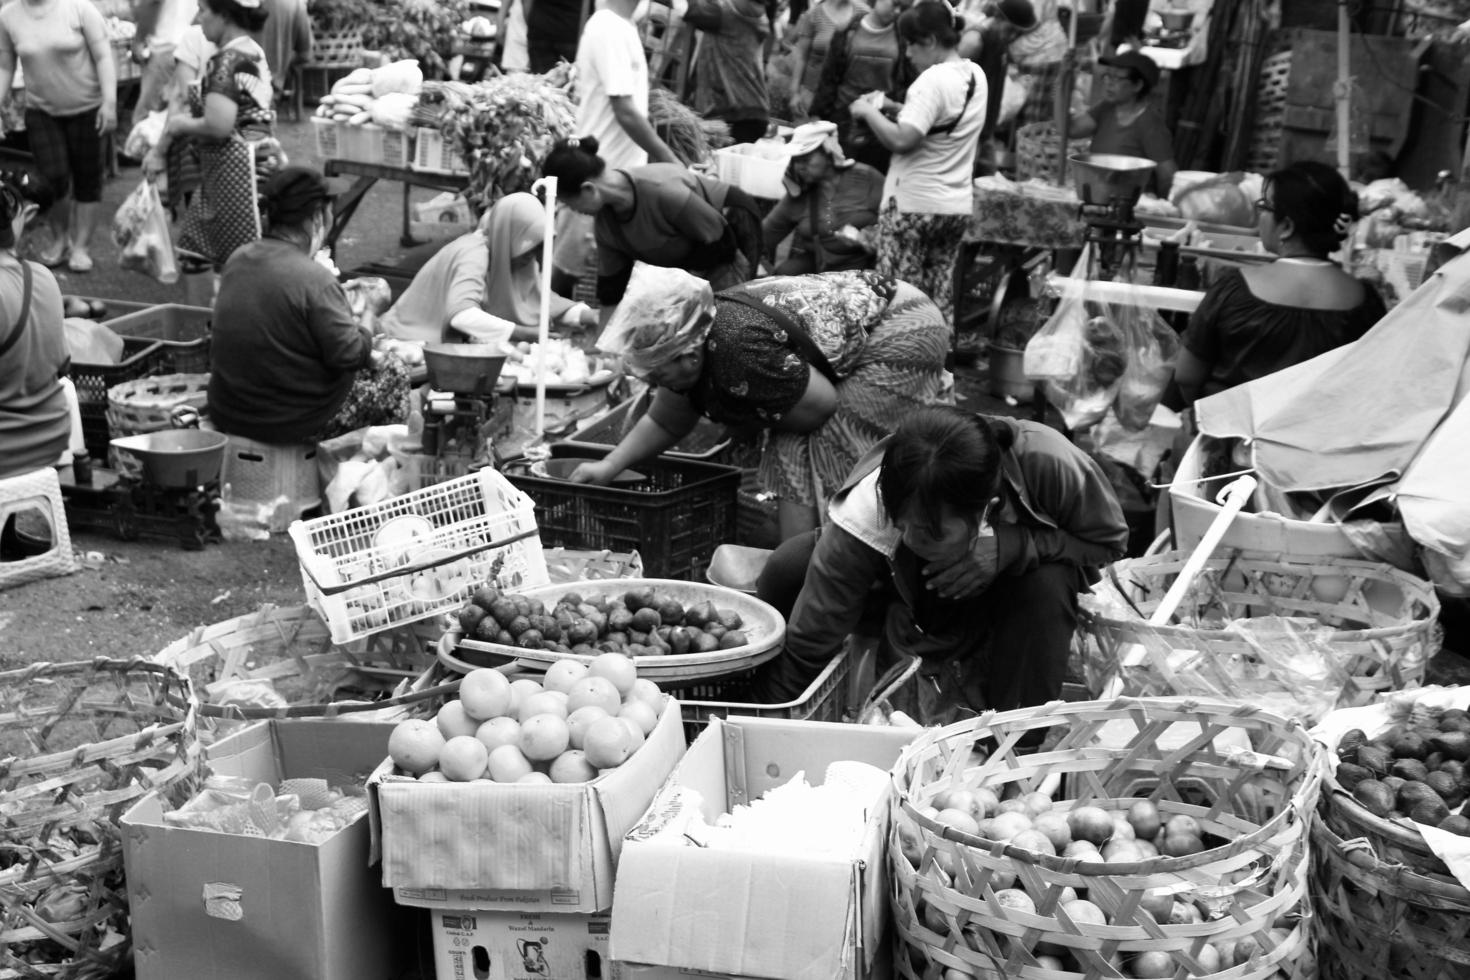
(1092,834)
(643,622)
(578,720)
(1416,771)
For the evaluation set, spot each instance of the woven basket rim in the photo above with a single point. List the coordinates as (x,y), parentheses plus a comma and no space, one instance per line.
(1335,796)
(1415,590)
(1440,887)
(1295,810)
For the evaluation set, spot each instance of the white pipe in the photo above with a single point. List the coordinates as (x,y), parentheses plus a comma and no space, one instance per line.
(548,186)
(1343,90)
(1231,500)
(1128,294)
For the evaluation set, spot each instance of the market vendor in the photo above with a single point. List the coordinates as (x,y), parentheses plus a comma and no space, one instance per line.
(829,201)
(662,214)
(1125,122)
(981,531)
(828,364)
(1255,320)
(485,287)
(288,363)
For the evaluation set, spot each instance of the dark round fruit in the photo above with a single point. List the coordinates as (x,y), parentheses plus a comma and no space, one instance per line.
(1411,746)
(1432,812)
(733,640)
(1456,824)
(1376,798)
(1410,769)
(485,597)
(518,625)
(504,610)
(470,616)
(487,629)
(530,640)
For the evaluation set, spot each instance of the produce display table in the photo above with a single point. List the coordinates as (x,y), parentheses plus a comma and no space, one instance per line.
(1013,217)
(367,175)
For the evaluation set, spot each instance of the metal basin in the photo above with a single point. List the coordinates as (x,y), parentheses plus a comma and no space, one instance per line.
(1102,178)
(463,368)
(177,458)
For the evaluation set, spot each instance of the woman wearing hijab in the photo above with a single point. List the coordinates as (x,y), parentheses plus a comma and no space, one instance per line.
(485,286)
(829,201)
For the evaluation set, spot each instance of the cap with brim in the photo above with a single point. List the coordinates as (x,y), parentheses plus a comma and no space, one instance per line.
(294,193)
(1134,61)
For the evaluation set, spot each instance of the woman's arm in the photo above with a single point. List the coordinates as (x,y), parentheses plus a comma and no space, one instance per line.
(817,405)
(94,32)
(800,51)
(896,137)
(670,418)
(7,68)
(1190,374)
(780,223)
(218,121)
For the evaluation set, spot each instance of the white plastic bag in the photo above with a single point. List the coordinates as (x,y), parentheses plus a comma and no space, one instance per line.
(1055,351)
(145,134)
(140,229)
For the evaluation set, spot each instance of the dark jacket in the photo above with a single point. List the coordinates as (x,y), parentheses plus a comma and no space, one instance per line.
(1057,506)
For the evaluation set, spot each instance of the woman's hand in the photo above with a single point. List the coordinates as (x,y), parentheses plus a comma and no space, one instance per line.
(106,119)
(154,164)
(597,473)
(865,105)
(589,318)
(970,575)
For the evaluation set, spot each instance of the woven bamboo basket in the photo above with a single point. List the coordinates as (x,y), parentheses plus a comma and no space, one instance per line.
(1190,757)
(1037,146)
(147,404)
(79,744)
(280,662)
(1384,622)
(1376,919)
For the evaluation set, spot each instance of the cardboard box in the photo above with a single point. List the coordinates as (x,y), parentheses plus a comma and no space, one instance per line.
(214,905)
(486,846)
(738,913)
(519,945)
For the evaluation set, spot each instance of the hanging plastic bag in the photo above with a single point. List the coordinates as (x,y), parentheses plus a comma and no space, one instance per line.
(140,229)
(1085,398)
(1152,346)
(145,134)
(1056,350)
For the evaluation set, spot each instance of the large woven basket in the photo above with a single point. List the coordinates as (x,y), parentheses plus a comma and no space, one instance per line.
(282,663)
(1376,919)
(1189,758)
(79,744)
(1384,623)
(147,404)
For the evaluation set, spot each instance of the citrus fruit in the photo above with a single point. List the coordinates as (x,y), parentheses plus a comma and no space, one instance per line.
(463,758)
(499,731)
(544,703)
(578,721)
(596,690)
(607,743)
(616,668)
(1091,823)
(645,716)
(544,737)
(534,777)
(506,764)
(647,691)
(520,689)
(561,675)
(1144,816)
(452,720)
(635,732)
(572,767)
(485,694)
(432,776)
(414,745)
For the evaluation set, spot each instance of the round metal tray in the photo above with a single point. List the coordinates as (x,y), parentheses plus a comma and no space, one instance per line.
(763,626)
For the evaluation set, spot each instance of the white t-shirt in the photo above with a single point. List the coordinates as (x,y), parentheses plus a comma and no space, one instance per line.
(937,176)
(194,50)
(174,17)
(611,62)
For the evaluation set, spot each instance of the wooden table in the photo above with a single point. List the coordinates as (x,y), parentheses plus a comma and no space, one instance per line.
(368,174)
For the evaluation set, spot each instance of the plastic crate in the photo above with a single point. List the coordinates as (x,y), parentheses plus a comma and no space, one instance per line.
(436,155)
(755,168)
(462,534)
(825,700)
(675,520)
(374,144)
(261,474)
(142,357)
(184,331)
(707,443)
(328,142)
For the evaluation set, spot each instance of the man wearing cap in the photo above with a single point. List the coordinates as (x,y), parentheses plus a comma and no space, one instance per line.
(1125,122)
(287,359)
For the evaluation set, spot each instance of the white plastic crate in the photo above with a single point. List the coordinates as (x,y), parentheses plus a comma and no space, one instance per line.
(328,145)
(437,155)
(755,168)
(363,575)
(371,143)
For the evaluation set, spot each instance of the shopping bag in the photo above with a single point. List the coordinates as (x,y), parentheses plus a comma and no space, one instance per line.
(1084,398)
(1056,350)
(145,134)
(1152,347)
(140,230)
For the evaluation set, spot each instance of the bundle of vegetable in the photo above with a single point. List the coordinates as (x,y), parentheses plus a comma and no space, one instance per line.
(507,129)
(690,137)
(438,100)
(385,95)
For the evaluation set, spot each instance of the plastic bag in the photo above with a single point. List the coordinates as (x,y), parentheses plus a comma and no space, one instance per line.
(1152,347)
(89,342)
(140,229)
(1013,97)
(1055,351)
(663,313)
(1219,200)
(145,134)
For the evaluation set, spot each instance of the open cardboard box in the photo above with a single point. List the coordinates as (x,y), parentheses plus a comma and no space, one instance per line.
(681,908)
(207,904)
(486,846)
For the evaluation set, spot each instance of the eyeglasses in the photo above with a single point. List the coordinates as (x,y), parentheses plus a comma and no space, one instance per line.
(1265,206)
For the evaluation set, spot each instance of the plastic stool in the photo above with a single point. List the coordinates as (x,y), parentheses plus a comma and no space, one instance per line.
(261,474)
(38,491)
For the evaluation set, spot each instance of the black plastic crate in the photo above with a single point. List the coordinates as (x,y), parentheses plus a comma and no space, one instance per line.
(825,699)
(675,519)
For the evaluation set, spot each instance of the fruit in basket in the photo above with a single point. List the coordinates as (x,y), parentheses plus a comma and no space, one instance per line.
(596,691)
(1376,798)
(572,767)
(641,714)
(452,720)
(414,745)
(499,731)
(542,703)
(1143,816)
(463,758)
(507,764)
(1152,964)
(561,675)
(579,720)
(1091,823)
(1374,759)
(469,619)
(1431,811)
(1350,775)
(618,671)
(1456,824)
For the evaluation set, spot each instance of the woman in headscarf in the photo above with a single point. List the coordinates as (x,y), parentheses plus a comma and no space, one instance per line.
(829,201)
(828,364)
(485,286)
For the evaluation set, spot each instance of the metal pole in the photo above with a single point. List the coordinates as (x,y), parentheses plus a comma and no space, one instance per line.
(1343,90)
(548,186)
(1067,81)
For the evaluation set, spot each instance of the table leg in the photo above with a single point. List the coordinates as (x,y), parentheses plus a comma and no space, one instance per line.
(406,239)
(346,207)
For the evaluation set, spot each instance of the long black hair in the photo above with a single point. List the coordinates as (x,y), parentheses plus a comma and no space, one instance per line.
(573,162)
(1318,201)
(941,457)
